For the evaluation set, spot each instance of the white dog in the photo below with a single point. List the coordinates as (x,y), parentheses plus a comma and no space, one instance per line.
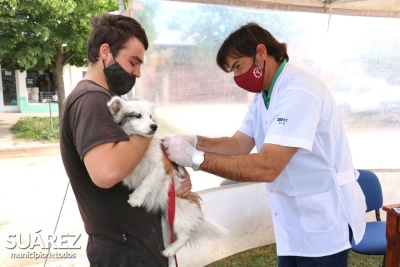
(152,177)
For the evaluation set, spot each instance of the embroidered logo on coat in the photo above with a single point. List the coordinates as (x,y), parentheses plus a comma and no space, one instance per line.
(282,121)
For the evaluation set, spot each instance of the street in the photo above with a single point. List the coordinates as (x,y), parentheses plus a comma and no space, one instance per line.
(33,185)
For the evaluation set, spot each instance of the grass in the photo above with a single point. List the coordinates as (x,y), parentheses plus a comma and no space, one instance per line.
(262,256)
(37,129)
(266,257)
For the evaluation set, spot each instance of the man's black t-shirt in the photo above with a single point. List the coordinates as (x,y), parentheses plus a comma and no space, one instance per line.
(86,122)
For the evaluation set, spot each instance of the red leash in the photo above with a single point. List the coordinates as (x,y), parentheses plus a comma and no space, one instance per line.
(171,209)
(171,200)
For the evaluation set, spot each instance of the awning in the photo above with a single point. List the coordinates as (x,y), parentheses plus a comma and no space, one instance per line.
(371,8)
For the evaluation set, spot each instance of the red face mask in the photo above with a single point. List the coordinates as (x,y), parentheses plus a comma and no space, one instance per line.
(252,80)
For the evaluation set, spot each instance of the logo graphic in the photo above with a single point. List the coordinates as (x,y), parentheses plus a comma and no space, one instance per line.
(257,72)
(30,241)
(282,121)
(28,245)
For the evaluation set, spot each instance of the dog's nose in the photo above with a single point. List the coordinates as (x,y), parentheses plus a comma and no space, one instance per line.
(153,127)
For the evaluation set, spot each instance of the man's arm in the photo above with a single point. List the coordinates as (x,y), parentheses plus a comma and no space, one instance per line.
(229,158)
(108,164)
(258,167)
(238,144)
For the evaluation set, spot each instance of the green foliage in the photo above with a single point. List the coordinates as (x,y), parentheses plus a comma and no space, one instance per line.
(47,34)
(266,257)
(146,17)
(37,129)
(32,32)
(209,25)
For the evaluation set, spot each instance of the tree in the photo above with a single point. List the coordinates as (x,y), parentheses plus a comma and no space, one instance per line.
(47,34)
(146,17)
(209,25)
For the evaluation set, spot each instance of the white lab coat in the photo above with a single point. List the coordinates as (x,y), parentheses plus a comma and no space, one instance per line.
(316,196)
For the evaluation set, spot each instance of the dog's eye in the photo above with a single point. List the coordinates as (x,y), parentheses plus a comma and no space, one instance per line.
(134,115)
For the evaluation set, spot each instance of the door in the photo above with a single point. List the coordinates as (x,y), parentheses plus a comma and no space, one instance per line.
(8,91)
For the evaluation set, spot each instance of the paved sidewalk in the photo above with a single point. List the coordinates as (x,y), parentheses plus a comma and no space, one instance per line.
(7,120)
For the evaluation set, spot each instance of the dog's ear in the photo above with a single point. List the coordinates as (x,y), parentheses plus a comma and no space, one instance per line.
(115,105)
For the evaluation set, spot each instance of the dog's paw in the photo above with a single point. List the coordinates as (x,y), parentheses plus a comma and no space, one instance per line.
(169,252)
(135,202)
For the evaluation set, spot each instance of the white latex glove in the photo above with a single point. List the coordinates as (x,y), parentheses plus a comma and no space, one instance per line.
(179,150)
(191,139)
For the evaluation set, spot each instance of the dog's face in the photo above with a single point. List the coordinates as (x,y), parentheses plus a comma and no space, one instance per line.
(134,116)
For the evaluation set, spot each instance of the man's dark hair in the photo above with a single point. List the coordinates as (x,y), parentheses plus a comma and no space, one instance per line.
(114,30)
(244,41)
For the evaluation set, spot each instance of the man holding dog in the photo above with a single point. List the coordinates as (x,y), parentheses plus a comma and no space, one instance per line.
(302,152)
(97,154)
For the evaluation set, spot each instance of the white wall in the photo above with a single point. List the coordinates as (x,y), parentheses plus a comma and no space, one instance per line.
(72,75)
(241,208)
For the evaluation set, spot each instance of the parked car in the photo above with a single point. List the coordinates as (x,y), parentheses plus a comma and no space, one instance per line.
(391,99)
(359,94)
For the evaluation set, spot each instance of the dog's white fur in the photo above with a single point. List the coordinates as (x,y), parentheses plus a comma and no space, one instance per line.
(152,177)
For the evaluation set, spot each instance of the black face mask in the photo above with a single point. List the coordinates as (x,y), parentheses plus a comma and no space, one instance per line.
(119,81)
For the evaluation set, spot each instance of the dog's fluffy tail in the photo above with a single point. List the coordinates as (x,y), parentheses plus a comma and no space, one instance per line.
(191,227)
(209,230)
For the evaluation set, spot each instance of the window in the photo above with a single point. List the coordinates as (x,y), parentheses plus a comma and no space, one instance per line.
(194,96)
(40,86)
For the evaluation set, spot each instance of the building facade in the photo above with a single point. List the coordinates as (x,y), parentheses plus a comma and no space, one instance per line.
(34,91)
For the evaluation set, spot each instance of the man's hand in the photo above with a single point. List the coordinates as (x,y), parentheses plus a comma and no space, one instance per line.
(186,186)
(191,139)
(179,151)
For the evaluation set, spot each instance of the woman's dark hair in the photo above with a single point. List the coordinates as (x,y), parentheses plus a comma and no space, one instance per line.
(244,41)
(114,30)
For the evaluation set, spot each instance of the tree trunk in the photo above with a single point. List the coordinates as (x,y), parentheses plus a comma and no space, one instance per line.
(58,74)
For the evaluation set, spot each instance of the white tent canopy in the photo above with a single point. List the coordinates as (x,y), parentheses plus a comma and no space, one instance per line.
(371,8)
